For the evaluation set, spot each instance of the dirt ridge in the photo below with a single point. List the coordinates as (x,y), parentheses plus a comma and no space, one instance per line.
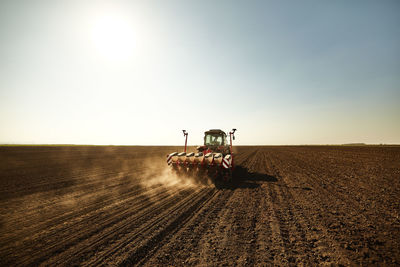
(287,206)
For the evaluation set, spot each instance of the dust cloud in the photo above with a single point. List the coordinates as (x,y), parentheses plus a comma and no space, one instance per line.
(64,181)
(159,174)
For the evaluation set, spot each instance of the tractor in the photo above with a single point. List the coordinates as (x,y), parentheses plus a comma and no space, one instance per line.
(213,159)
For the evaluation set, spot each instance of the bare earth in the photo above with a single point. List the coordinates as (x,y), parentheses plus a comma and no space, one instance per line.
(83,205)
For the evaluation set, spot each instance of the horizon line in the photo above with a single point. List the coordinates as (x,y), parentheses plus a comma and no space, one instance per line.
(66,144)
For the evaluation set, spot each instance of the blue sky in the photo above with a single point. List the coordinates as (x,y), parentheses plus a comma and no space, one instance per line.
(137,72)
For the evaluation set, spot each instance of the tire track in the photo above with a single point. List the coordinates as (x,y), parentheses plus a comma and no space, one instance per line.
(106,236)
(47,228)
(153,236)
(23,228)
(80,194)
(60,241)
(190,234)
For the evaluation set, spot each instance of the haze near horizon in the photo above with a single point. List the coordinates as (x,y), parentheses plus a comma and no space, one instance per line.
(138,72)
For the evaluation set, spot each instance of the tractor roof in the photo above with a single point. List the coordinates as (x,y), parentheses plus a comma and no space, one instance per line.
(215,131)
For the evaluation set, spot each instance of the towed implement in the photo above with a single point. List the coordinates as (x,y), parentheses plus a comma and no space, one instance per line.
(214,158)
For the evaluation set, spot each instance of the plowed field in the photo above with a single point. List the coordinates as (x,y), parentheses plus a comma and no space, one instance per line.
(83,205)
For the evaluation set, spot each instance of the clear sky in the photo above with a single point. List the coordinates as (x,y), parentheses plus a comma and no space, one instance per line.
(138,72)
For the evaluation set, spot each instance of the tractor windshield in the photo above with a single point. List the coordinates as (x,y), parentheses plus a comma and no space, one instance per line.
(213,140)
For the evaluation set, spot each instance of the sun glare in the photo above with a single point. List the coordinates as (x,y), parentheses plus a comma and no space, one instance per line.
(114,36)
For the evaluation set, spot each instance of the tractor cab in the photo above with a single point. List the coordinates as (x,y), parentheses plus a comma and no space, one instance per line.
(214,141)
(215,138)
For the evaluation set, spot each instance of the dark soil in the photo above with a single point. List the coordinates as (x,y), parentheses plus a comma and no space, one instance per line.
(311,205)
